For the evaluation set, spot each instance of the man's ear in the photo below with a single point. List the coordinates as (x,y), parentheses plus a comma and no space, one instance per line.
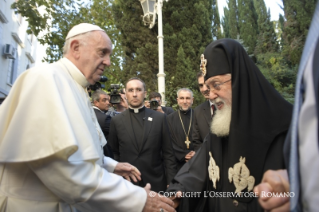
(75,49)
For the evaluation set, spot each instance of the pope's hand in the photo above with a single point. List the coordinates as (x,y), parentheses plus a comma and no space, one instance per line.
(127,171)
(273,182)
(156,202)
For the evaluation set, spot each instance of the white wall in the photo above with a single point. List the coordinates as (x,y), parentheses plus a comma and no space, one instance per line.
(13,31)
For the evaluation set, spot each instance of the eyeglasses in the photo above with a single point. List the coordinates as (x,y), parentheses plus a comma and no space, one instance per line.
(216,86)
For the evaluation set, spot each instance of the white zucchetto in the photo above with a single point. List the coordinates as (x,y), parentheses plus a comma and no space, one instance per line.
(82,28)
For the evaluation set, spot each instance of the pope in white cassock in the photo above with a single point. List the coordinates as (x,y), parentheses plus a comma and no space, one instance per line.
(51,155)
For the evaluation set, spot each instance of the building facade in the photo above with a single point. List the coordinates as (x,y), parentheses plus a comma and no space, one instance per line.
(17,49)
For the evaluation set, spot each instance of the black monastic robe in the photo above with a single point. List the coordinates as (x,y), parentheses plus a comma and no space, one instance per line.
(260,120)
(178,134)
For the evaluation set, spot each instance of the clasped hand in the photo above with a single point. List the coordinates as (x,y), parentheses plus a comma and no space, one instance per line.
(128,171)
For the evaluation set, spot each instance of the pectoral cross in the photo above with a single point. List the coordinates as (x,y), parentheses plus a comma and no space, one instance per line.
(187,142)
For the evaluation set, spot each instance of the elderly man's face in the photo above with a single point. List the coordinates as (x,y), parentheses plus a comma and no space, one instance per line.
(185,100)
(220,90)
(95,56)
(202,87)
(221,95)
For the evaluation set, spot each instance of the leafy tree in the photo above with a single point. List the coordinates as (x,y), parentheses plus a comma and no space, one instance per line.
(274,67)
(267,39)
(187,29)
(298,15)
(216,30)
(188,25)
(247,24)
(225,23)
(60,16)
(139,43)
(233,19)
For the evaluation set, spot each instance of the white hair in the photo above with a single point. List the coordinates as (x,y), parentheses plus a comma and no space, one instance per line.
(82,38)
(221,121)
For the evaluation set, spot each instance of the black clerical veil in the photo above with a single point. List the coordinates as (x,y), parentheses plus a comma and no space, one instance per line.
(259,116)
(259,112)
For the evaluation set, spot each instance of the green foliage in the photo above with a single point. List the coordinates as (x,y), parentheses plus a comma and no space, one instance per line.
(247,24)
(298,15)
(187,29)
(267,38)
(182,77)
(225,23)
(60,16)
(233,19)
(278,73)
(139,43)
(216,29)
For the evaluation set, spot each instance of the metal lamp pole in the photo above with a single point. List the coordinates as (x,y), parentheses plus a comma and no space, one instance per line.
(161,75)
(149,19)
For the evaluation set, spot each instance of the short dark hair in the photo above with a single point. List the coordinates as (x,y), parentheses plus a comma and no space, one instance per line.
(136,78)
(199,74)
(154,95)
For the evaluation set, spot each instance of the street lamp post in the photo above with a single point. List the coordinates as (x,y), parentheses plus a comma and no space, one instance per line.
(150,8)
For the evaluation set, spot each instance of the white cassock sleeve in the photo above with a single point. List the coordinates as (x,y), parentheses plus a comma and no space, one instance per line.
(88,186)
(109,164)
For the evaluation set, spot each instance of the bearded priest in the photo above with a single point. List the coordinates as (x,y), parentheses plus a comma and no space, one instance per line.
(246,138)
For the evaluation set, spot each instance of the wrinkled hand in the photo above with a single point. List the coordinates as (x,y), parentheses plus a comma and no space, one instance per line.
(127,171)
(275,182)
(155,202)
(189,156)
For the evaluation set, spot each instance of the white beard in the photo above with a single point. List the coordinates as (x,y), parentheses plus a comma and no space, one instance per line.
(221,121)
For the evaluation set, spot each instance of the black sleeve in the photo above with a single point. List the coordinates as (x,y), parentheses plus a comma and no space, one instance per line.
(179,152)
(275,157)
(197,140)
(113,141)
(107,126)
(168,152)
(192,177)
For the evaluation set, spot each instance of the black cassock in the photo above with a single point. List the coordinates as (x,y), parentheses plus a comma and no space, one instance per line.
(260,120)
(194,177)
(178,134)
(143,140)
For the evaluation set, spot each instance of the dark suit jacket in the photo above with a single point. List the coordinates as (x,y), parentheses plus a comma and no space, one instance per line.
(155,157)
(202,120)
(168,110)
(104,121)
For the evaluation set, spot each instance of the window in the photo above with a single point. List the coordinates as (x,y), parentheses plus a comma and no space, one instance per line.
(30,38)
(13,68)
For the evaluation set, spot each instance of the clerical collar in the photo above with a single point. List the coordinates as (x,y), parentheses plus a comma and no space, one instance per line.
(137,110)
(76,74)
(103,111)
(185,111)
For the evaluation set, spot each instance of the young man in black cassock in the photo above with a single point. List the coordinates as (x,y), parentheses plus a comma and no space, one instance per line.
(203,114)
(141,137)
(180,125)
(247,134)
